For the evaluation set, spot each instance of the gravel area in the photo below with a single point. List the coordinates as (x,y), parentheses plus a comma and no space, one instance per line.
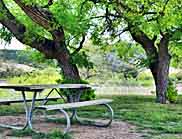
(118,130)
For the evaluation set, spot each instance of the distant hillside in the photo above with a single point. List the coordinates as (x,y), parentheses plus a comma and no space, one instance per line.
(13,55)
(14,63)
(8,69)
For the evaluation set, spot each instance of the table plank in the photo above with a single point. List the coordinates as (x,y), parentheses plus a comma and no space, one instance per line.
(40,87)
(75,104)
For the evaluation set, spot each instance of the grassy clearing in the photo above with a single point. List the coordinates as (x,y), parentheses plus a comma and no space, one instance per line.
(159,121)
(55,134)
(46,76)
(142,111)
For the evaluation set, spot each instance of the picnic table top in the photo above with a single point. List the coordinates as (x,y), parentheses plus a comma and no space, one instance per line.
(40,87)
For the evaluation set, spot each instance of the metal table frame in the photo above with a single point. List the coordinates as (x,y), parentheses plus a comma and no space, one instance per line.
(37,89)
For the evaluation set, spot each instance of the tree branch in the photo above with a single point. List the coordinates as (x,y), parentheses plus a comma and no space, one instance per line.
(164,8)
(50,2)
(80,46)
(163,46)
(140,37)
(38,15)
(121,32)
(20,32)
(44,18)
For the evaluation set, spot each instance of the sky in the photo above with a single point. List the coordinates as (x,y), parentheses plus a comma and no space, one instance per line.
(15,44)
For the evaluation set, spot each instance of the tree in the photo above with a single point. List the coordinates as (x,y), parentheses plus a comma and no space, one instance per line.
(155,25)
(49,27)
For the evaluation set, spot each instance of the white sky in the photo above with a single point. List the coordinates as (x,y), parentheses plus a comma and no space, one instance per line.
(15,44)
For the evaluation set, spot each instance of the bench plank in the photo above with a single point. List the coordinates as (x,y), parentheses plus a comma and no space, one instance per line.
(75,104)
(8,101)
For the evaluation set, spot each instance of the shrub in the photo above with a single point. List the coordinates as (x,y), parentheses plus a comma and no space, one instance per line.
(173,76)
(86,94)
(46,76)
(172,92)
(145,76)
(179,76)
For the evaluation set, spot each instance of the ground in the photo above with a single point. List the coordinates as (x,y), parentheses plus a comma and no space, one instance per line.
(136,117)
(118,130)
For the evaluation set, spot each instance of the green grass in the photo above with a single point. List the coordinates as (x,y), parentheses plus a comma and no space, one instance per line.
(160,121)
(143,112)
(46,76)
(55,134)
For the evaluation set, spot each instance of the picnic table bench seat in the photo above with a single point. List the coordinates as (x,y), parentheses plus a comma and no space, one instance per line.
(74,105)
(9,101)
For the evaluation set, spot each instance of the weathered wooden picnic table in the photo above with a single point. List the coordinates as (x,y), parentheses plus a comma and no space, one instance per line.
(35,89)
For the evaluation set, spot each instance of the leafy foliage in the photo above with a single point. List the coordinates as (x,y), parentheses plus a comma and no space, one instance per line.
(36,58)
(86,94)
(46,76)
(132,54)
(172,92)
(176,52)
(82,60)
(179,76)
(5,34)
(154,18)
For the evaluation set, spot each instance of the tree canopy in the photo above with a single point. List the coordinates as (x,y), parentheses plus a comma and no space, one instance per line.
(58,29)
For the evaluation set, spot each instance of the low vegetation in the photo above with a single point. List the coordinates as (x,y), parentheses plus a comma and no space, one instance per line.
(156,120)
(46,76)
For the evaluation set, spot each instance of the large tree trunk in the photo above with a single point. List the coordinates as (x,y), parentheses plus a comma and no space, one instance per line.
(154,70)
(71,75)
(159,60)
(160,70)
(162,79)
(163,70)
(160,75)
(69,70)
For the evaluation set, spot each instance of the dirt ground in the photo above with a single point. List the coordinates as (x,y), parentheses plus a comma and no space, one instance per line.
(118,130)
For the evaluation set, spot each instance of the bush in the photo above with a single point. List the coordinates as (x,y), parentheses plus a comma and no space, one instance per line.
(86,94)
(173,76)
(172,93)
(145,76)
(179,76)
(46,76)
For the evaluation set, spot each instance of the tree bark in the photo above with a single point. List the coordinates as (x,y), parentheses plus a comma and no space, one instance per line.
(53,49)
(69,69)
(159,61)
(163,69)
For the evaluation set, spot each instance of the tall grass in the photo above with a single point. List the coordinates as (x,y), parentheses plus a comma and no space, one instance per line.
(46,76)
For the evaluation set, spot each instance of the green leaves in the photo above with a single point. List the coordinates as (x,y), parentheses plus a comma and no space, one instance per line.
(5,34)
(82,60)
(68,14)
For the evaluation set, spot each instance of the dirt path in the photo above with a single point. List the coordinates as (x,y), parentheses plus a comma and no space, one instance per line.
(118,130)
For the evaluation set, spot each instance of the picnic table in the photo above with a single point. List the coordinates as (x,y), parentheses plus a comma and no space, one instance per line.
(74,104)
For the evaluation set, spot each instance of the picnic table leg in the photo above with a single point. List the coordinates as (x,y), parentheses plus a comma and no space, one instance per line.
(67,121)
(27,113)
(59,93)
(46,98)
(31,110)
(44,102)
(90,122)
